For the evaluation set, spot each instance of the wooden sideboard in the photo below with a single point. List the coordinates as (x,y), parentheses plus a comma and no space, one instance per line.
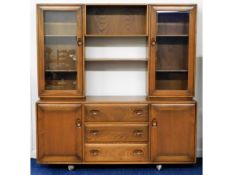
(73,128)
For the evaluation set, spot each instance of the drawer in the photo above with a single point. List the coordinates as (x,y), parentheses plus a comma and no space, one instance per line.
(116,132)
(116,112)
(116,152)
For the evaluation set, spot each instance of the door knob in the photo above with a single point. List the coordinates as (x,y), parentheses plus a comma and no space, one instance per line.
(153,42)
(78,123)
(154,123)
(79,42)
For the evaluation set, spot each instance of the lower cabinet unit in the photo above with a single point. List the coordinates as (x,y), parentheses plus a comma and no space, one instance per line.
(59,133)
(85,133)
(173,131)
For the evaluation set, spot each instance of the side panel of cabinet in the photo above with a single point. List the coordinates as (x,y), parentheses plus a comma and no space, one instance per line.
(59,135)
(173,133)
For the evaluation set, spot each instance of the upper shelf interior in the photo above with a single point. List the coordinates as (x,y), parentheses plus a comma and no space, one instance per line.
(116,20)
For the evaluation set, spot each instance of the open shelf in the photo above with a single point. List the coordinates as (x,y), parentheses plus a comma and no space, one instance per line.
(60,35)
(57,70)
(184,70)
(172,35)
(60,23)
(115,59)
(96,35)
(116,20)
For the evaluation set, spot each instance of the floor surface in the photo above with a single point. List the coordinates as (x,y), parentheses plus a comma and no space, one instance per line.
(37,169)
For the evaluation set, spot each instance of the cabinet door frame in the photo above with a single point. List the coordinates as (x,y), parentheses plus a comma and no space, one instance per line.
(41,107)
(79,91)
(153,92)
(158,157)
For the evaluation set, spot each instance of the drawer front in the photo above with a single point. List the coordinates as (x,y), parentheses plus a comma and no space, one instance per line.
(116,152)
(116,132)
(116,112)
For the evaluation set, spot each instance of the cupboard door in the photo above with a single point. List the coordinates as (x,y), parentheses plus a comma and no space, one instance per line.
(59,133)
(173,132)
(172,50)
(60,50)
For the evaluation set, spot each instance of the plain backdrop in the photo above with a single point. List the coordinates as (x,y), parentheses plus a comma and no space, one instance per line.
(17,114)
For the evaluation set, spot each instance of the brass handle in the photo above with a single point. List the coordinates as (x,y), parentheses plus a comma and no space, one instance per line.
(78,123)
(138,132)
(79,42)
(153,42)
(94,152)
(137,152)
(139,112)
(94,112)
(94,132)
(154,123)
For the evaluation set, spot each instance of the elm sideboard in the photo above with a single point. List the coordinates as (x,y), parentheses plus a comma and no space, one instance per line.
(73,128)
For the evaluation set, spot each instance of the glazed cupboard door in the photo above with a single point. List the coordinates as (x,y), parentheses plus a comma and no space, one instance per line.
(59,136)
(172,50)
(173,133)
(60,51)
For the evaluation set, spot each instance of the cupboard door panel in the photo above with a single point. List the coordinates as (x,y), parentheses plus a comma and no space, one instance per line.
(173,128)
(172,50)
(59,133)
(60,50)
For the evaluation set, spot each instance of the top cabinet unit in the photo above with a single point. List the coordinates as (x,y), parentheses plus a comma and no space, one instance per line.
(60,51)
(172,50)
(168,30)
(116,20)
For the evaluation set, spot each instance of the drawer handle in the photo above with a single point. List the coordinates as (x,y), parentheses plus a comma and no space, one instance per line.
(94,112)
(94,132)
(138,112)
(94,152)
(138,133)
(137,152)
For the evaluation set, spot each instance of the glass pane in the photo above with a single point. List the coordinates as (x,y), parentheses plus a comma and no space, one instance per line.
(172,23)
(60,23)
(172,80)
(60,50)
(172,50)
(172,53)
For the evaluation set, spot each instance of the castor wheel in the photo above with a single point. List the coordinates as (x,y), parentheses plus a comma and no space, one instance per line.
(70,167)
(159,167)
